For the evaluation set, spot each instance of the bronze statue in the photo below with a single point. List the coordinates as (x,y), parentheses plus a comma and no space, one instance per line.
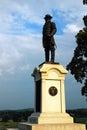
(49,29)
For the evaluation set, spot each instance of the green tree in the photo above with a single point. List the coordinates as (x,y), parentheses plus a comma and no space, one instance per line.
(84,1)
(78,64)
(5,118)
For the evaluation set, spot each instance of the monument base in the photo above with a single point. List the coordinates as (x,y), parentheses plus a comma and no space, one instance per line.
(50,101)
(47,121)
(67,126)
(50,118)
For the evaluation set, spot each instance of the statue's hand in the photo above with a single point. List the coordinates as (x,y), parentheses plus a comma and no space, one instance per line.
(49,35)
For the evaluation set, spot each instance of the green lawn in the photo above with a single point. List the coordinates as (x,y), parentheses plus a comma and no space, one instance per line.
(80,120)
(4,125)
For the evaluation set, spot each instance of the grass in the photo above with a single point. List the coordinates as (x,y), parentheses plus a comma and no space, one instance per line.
(81,120)
(4,125)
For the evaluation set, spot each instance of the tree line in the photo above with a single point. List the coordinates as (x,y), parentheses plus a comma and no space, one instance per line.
(15,115)
(78,63)
(22,115)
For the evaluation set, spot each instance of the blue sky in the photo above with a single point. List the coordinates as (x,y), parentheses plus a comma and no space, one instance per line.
(21,50)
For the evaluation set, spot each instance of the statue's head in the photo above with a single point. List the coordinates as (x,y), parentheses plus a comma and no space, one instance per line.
(48,16)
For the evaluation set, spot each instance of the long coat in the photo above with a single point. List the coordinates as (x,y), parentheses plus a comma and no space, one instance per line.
(49,29)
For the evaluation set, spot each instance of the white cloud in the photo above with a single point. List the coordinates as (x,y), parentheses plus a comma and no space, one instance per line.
(71,28)
(25,67)
(66,44)
(15,49)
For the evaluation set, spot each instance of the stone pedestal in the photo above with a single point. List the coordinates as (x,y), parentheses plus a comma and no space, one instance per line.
(49,95)
(67,126)
(50,110)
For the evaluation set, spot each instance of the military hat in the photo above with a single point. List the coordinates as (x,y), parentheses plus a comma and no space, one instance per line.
(48,16)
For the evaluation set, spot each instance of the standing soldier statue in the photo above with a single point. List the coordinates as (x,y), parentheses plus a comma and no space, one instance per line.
(49,29)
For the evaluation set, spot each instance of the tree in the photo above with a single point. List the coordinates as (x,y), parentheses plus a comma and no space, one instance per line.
(84,1)
(5,118)
(78,64)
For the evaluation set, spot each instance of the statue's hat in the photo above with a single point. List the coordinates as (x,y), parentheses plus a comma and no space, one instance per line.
(48,16)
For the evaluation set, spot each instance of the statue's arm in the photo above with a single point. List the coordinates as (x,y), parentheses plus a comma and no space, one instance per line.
(54,29)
